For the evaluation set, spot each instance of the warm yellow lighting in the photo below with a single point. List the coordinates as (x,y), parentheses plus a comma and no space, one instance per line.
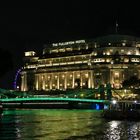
(108,53)
(129,53)
(69,49)
(135,60)
(84,84)
(54,51)
(137,53)
(116,74)
(95,54)
(76,84)
(30,53)
(112,62)
(86,75)
(61,50)
(123,44)
(107,60)
(78,75)
(126,60)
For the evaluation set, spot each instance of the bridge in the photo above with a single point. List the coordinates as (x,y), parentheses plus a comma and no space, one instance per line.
(53,99)
(63,103)
(86,97)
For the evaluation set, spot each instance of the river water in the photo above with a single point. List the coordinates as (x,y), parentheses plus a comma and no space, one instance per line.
(64,125)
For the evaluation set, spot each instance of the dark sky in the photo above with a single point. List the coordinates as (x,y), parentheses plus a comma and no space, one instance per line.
(29,28)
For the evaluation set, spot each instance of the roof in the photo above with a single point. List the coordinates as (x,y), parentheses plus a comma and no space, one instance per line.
(116,38)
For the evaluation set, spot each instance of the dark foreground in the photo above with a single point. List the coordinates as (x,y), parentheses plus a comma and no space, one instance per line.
(47,124)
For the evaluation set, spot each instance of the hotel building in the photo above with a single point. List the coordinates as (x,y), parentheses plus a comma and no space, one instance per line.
(82,64)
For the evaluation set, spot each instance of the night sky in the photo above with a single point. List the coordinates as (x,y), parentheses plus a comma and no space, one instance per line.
(25,29)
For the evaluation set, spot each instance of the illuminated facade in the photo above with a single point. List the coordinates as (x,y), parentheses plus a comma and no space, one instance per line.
(82,64)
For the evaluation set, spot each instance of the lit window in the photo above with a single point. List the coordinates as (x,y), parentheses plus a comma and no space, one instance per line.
(116,74)
(61,50)
(69,49)
(107,60)
(84,84)
(54,51)
(129,53)
(126,60)
(86,75)
(138,45)
(108,53)
(137,53)
(135,60)
(112,62)
(95,53)
(76,84)
(123,44)
(78,75)
(30,53)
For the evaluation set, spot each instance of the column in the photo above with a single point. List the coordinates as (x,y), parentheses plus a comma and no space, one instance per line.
(89,79)
(36,82)
(22,83)
(81,79)
(58,81)
(65,81)
(73,80)
(50,81)
(43,82)
(92,78)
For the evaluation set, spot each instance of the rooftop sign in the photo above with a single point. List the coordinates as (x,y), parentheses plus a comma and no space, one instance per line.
(68,43)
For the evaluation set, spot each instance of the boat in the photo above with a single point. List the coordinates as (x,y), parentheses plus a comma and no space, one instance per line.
(122,110)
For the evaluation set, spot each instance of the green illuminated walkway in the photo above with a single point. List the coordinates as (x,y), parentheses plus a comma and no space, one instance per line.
(54,99)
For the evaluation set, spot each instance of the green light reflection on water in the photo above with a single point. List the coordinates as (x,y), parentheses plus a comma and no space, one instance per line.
(52,123)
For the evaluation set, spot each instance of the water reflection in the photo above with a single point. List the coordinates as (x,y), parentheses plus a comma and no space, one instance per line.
(122,130)
(64,124)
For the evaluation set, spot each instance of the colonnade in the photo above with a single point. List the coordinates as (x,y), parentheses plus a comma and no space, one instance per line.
(63,80)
